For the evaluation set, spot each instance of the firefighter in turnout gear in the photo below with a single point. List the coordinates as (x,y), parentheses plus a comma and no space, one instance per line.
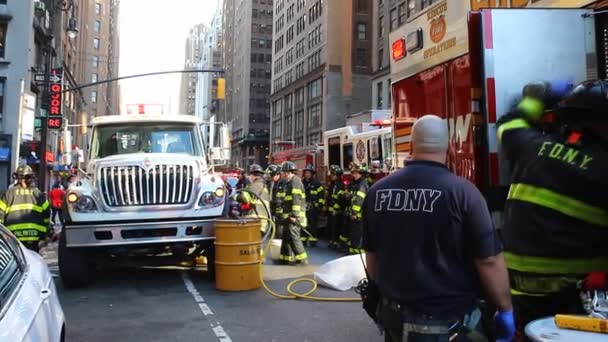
(273,183)
(25,211)
(315,201)
(293,215)
(335,205)
(252,206)
(556,215)
(354,212)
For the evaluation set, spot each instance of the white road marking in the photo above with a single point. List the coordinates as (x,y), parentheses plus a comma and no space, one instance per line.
(218,330)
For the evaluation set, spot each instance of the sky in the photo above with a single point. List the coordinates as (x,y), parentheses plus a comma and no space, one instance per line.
(153,38)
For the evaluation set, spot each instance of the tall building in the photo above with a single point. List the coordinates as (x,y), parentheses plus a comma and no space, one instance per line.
(247,54)
(207,104)
(321,68)
(194,51)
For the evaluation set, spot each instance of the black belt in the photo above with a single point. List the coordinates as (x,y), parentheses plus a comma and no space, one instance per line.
(434,326)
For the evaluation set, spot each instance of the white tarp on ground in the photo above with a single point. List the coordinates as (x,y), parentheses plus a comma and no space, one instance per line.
(341,274)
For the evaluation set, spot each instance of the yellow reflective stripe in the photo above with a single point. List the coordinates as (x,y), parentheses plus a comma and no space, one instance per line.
(321,201)
(343,238)
(301,256)
(521,293)
(28,238)
(301,214)
(297,191)
(23,226)
(296,207)
(533,108)
(513,124)
(288,198)
(28,206)
(280,194)
(3,206)
(545,265)
(558,202)
(45,205)
(361,194)
(46,220)
(356,208)
(286,257)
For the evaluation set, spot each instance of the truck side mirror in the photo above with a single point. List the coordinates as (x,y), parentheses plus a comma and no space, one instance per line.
(215,153)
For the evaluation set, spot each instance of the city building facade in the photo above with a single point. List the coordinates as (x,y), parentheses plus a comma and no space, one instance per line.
(207,104)
(193,54)
(321,68)
(247,56)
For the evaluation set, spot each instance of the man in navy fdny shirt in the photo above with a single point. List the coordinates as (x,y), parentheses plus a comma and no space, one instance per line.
(432,249)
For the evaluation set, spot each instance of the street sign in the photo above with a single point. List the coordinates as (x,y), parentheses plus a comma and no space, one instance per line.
(39,79)
(55,90)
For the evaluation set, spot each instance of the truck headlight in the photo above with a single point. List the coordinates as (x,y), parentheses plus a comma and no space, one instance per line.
(82,203)
(211,198)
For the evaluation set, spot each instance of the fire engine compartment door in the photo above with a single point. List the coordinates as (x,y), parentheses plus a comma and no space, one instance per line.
(524,45)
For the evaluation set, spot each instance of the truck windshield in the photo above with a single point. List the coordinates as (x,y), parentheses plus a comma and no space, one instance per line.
(113,140)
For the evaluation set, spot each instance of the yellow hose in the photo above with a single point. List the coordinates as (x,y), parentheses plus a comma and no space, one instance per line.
(292,294)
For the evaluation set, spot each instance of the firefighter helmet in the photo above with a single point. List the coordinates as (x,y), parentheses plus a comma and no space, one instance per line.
(310,168)
(588,101)
(24,171)
(288,166)
(256,169)
(273,170)
(358,167)
(336,170)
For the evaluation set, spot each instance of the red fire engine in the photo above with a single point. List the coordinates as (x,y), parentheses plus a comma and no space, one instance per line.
(469,67)
(301,156)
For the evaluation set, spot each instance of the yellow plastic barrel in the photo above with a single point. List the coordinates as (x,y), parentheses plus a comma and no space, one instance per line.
(237,254)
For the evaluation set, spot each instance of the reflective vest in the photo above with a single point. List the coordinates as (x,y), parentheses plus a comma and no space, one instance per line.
(315,193)
(25,212)
(556,214)
(261,204)
(335,198)
(293,203)
(358,191)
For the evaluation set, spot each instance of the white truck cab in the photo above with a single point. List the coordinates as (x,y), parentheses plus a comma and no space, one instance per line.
(149,189)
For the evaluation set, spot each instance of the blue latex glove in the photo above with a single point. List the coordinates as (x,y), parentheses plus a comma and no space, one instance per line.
(505,326)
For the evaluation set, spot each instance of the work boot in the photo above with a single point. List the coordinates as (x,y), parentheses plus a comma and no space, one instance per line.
(301,262)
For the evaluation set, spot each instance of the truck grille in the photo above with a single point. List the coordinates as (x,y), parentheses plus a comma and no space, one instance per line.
(133,186)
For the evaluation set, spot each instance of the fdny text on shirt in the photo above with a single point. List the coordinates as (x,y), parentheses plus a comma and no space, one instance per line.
(406,200)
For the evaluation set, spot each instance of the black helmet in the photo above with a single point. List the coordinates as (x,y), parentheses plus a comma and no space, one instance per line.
(336,170)
(24,171)
(310,168)
(256,169)
(288,166)
(588,101)
(273,170)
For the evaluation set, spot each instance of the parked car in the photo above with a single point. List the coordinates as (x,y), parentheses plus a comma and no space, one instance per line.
(29,305)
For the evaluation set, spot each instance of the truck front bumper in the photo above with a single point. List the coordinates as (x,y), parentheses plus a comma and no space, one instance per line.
(138,233)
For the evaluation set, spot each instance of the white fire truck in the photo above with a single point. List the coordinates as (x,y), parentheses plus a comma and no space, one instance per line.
(149,190)
(469,65)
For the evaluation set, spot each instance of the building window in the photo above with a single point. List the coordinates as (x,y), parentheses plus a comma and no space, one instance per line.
(277,129)
(380,58)
(393,19)
(97,26)
(381,26)
(95,61)
(299,121)
(314,89)
(361,58)
(96,43)
(390,93)
(94,97)
(402,14)
(361,5)
(427,3)
(97,8)
(362,31)
(411,7)
(2,84)
(93,78)
(3,27)
(314,116)
(300,97)
(379,101)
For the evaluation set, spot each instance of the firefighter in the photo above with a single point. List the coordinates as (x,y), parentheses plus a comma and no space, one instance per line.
(273,184)
(243,180)
(358,191)
(315,201)
(369,177)
(335,208)
(255,201)
(25,211)
(556,214)
(293,216)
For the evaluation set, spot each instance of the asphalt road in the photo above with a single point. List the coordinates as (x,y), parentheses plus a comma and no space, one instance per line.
(142,304)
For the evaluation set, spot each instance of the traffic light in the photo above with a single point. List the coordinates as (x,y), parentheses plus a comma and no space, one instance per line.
(221,89)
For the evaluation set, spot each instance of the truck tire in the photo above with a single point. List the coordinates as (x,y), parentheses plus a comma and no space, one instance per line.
(74,267)
(209,253)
